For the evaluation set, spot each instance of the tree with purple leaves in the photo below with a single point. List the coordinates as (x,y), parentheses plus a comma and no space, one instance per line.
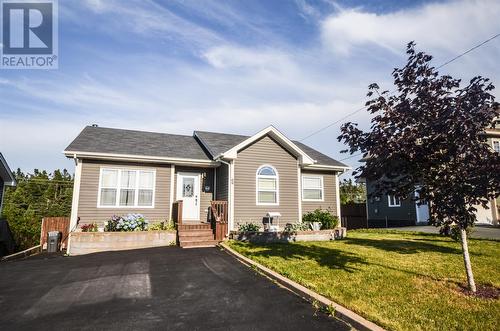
(428,136)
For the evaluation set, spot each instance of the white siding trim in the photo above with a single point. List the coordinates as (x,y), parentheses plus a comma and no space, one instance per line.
(337,196)
(231,195)
(299,191)
(172,188)
(76,194)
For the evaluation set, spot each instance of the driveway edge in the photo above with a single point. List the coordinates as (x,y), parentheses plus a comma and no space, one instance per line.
(341,312)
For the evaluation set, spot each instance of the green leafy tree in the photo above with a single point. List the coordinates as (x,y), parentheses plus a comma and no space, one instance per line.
(429,135)
(351,192)
(36,195)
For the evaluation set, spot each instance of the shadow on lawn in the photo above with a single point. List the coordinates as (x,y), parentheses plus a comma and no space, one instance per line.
(324,256)
(402,246)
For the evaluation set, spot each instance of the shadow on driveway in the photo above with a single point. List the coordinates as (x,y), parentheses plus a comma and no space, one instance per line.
(161,288)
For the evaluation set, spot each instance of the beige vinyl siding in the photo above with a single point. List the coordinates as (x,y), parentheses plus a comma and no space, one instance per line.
(330,191)
(222,182)
(89,187)
(265,151)
(206,196)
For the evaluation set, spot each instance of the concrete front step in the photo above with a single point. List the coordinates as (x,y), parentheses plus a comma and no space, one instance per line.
(203,243)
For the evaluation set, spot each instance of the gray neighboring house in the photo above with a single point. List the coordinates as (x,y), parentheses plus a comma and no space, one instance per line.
(124,171)
(6,179)
(391,211)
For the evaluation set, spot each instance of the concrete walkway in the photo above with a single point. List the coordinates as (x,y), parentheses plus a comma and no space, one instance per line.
(480,231)
(161,288)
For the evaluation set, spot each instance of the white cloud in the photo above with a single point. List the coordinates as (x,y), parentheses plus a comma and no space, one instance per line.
(449,26)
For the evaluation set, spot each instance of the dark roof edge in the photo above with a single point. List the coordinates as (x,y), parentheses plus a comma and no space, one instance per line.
(12,181)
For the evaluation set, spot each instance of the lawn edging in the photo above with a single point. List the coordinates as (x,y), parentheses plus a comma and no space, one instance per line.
(355,320)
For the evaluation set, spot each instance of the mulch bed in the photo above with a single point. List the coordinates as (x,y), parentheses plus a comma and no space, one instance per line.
(482,291)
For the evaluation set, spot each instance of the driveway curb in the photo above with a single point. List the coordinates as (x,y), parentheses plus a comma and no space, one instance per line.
(341,312)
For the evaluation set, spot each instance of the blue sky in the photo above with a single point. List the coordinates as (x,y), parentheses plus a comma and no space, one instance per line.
(228,66)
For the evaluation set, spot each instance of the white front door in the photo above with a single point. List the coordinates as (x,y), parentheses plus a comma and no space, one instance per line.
(188,190)
(422,210)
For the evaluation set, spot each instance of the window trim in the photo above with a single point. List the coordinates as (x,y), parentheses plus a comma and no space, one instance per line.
(322,188)
(118,188)
(395,199)
(277,191)
(493,141)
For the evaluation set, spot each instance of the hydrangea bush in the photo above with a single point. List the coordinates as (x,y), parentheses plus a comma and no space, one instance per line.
(130,222)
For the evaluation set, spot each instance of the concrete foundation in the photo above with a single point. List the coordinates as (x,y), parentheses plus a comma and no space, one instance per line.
(93,242)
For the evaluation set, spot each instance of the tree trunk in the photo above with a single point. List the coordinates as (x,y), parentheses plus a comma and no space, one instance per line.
(468,267)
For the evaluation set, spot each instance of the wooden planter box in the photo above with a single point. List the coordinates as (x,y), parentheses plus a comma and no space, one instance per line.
(284,237)
(93,242)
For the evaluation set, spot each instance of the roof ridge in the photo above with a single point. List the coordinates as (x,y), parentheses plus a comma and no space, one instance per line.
(139,131)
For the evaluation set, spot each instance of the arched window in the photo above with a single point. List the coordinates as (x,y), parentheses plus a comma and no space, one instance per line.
(267,186)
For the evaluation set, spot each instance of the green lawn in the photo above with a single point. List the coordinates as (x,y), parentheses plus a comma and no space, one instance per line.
(399,280)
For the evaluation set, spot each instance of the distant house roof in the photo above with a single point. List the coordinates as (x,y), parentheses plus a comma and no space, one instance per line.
(5,173)
(202,145)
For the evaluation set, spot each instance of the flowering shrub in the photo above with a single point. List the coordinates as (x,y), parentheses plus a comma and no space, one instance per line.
(130,222)
(325,217)
(89,227)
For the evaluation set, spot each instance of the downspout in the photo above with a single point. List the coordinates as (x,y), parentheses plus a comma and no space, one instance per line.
(230,195)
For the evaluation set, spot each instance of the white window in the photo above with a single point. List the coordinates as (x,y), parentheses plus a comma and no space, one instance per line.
(496,145)
(126,188)
(312,188)
(267,186)
(394,201)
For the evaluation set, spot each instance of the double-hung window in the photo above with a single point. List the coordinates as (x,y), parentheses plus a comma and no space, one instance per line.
(267,186)
(394,201)
(496,145)
(126,188)
(312,188)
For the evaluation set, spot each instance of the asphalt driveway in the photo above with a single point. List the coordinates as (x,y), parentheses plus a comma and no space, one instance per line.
(161,288)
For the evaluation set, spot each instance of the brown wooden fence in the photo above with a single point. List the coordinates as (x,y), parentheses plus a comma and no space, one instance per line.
(219,219)
(354,216)
(60,224)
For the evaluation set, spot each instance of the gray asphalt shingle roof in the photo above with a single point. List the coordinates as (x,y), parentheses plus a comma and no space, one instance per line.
(130,142)
(118,141)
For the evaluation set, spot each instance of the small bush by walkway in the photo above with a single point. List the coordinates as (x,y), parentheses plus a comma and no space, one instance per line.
(399,280)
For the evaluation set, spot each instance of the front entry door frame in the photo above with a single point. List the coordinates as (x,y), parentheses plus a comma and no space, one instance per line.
(190,205)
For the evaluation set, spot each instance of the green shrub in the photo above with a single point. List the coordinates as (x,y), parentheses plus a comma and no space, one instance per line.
(325,217)
(249,227)
(162,226)
(304,226)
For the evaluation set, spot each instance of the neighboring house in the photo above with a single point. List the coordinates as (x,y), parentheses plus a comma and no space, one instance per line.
(6,179)
(391,211)
(492,214)
(123,171)
(388,210)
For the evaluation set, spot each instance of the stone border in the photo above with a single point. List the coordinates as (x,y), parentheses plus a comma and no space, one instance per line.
(19,255)
(356,321)
(293,236)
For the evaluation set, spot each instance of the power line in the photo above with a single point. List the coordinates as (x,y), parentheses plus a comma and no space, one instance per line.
(350,157)
(364,107)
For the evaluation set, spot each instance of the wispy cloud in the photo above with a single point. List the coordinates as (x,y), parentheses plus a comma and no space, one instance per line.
(448,26)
